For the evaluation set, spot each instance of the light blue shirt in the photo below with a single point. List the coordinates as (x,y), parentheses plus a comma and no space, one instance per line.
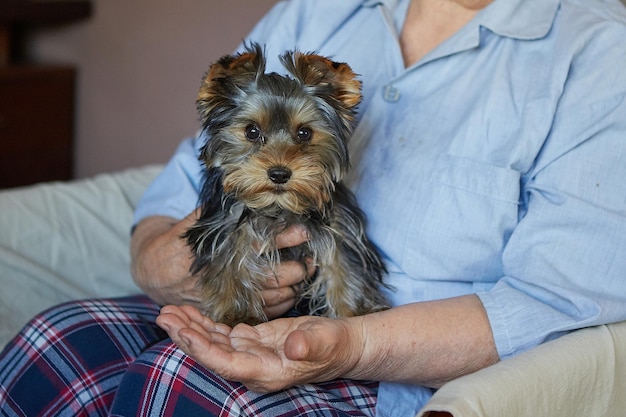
(495,165)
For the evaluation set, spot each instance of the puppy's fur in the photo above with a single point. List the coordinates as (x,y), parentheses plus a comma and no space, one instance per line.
(276,155)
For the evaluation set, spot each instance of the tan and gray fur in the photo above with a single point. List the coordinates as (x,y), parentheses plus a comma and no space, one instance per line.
(275,157)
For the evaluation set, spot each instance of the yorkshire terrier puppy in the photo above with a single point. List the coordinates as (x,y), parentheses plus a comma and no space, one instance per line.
(276,153)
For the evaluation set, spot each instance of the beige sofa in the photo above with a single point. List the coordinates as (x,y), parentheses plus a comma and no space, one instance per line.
(63,241)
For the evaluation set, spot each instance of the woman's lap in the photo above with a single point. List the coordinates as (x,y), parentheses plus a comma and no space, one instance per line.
(90,357)
(70,359)
(164,381)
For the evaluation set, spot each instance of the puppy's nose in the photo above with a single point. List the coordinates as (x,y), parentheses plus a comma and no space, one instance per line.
(279,175)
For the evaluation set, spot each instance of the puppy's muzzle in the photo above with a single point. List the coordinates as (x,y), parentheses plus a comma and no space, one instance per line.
(279,174)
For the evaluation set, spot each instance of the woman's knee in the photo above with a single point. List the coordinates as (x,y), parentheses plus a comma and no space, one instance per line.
(86,345)
(128,321)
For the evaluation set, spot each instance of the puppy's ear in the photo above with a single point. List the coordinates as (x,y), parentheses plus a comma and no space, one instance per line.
(321,73)
(222,85)
(245,65)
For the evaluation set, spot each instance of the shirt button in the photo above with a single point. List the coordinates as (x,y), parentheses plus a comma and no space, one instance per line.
(391,94)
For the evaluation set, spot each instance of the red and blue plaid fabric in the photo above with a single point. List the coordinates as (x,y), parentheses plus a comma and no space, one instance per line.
(164,381)
(69,360)
(108,357)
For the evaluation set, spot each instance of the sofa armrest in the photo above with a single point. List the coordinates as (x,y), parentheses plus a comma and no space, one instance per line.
(66,240)
(580,374)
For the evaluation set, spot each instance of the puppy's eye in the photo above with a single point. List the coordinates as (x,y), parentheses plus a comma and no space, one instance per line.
(253,133)
(304,134)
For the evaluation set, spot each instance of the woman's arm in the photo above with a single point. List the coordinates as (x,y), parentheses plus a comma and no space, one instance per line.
(427,343)
(423,343)
(161,260)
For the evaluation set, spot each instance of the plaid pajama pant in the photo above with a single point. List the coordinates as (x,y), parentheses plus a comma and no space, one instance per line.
(108,357)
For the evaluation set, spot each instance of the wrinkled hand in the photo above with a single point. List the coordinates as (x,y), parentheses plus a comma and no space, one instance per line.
(161,260)
(270,356)
(280,293)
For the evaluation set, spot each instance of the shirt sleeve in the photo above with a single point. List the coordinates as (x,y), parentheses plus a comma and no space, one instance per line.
(174,192)
(565,262)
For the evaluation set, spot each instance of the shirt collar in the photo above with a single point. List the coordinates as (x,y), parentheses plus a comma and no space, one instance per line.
(373,3)
(522,19)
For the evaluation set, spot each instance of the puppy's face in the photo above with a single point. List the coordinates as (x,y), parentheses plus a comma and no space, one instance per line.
(279,141)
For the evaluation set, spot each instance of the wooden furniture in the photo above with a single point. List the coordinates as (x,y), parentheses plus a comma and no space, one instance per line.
(36,101)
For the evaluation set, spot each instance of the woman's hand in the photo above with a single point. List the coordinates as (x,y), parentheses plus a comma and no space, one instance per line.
(270,356)
(161,262)
(281,293)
